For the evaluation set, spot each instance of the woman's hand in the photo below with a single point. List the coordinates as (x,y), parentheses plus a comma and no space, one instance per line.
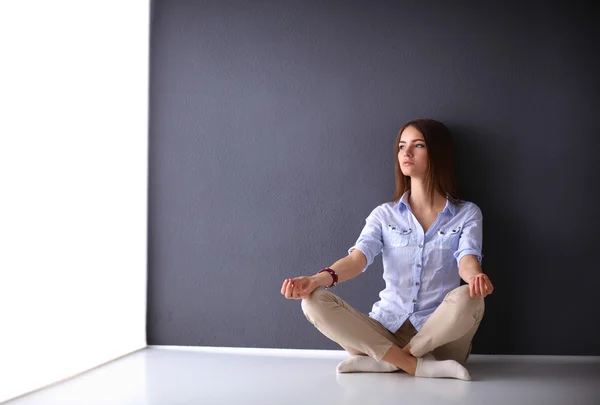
(298,288)
(480,286)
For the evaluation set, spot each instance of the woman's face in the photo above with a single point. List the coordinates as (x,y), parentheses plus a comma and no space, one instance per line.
(412,154)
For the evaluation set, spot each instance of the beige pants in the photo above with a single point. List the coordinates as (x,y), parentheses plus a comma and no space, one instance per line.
(447,333)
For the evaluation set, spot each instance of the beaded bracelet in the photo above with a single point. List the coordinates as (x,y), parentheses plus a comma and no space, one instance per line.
(333,275)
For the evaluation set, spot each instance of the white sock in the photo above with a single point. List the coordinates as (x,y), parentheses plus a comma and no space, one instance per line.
(428,366)
(365,364)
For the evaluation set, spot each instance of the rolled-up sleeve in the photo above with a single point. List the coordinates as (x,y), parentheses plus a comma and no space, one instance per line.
(370,241)
(471,237)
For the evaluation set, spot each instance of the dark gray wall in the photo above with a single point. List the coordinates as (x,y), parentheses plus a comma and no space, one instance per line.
(271,139)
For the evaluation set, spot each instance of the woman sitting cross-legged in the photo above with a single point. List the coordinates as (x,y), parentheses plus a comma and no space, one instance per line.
(429,239)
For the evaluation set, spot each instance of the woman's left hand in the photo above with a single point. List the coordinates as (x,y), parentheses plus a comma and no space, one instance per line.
(480,286)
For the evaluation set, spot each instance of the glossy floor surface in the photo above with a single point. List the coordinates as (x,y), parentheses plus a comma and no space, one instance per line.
(162,375)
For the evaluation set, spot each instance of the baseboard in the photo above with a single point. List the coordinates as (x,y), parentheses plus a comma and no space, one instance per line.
(258,351)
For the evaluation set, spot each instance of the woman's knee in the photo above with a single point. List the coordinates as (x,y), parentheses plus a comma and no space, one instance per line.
(461,297)
(318,299)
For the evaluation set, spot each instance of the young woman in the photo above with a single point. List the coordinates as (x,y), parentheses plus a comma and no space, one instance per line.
(429,239)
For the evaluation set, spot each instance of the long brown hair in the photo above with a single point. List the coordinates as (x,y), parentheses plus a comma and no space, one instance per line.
(440,151)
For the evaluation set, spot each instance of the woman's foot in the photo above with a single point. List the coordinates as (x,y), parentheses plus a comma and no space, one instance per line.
(365,364)
(428,366)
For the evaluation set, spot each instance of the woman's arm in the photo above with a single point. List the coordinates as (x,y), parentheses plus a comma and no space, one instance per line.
(368,245)
(346,268)
(470,270)
(468,267)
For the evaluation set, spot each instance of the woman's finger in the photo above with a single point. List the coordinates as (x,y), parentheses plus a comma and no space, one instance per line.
(490,286)
(490,283)
(471,292)
(283,286)
(481,288)
(476,286)
(288,290)
(295,290)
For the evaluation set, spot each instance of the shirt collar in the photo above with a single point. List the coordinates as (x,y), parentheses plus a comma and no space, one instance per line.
(403,204)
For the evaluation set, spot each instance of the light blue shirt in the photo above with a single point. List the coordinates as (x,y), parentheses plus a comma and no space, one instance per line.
(419,268)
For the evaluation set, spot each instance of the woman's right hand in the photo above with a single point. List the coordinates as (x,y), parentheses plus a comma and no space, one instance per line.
(298,288)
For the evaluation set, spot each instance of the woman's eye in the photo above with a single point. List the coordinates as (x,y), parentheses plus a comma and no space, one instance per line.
(402,147)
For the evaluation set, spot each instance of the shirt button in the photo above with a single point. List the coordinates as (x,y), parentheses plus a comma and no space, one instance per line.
(417,283)
(421,246)
(418,265)
(414,301)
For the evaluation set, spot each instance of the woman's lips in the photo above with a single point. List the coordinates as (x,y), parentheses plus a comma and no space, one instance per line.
(407,163)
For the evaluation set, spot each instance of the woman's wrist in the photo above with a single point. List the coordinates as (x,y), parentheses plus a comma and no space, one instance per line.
(323,279)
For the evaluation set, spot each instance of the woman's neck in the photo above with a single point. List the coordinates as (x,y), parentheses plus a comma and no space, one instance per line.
(420,200)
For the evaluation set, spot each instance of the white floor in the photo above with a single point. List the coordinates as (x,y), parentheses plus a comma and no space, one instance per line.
(160,375)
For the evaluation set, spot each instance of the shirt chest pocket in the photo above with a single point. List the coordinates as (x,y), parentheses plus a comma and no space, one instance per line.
(447,239)
(397,236)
